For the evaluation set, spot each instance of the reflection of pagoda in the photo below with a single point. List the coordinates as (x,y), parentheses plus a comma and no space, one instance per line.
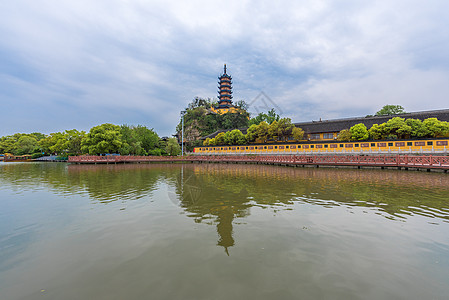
(225,95)
(224,229)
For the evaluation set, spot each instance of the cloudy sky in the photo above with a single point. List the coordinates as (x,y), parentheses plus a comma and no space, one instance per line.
(76,64)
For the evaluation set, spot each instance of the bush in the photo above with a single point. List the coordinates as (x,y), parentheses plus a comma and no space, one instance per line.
(155,152)
(36,155)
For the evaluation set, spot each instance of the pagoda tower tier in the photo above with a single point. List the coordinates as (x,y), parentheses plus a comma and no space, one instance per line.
(225,95)
(225,89)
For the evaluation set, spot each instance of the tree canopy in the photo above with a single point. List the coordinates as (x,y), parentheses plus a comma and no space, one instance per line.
(173,148)
(21,143)
(390,110)
(397,128)
(268,117)
(104,138)
(101,139)
(359,132)
(281,130)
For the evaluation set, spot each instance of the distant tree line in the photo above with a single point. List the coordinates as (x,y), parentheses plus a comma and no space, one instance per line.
(397,128)
(102,139)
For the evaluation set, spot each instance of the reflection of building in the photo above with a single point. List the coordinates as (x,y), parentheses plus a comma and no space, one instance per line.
(225,95)
(224,228)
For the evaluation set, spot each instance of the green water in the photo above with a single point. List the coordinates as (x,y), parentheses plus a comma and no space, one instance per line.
(211,231)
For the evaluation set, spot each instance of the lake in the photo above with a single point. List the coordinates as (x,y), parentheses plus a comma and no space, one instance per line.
(216,231)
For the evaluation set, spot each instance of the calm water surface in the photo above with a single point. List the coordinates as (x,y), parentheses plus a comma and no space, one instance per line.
(212,231)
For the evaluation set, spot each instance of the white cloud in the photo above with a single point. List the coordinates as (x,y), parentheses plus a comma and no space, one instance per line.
(315,58)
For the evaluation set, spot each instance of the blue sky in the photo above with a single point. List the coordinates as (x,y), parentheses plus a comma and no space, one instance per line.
(76,64)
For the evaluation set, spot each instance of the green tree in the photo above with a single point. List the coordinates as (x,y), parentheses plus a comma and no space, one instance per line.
(344,135)
(130,141)
(396,128)
(262,131)
(7,144)
(67,142)
(139,140)
(285,128)
(268,117)
(251,133)
(173,148)
(26,144)
(390,110)
(417,128)
(38,136)
(220,139)
(273,130)
(201,102)
(212,142)
(436,128)
(206,142)
(233,120)
(58,143)
(200,121)
(236,137)
(359,132)
(105,138)
(156,152)
(74,139)
(297,133)
(242,105)
(377,132)
(148,138)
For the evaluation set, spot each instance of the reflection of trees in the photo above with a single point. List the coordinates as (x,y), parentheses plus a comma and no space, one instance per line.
(229,191)
(393,193)
(208,202)
(104,183)
(107,183)
(218,193)
(30,176)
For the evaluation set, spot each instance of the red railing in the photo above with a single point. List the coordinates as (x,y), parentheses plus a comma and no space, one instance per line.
(430,162)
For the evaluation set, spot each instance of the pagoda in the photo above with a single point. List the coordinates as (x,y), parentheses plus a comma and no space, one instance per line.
(225,95)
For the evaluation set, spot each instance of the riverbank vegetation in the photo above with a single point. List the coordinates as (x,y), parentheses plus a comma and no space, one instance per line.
(102,139)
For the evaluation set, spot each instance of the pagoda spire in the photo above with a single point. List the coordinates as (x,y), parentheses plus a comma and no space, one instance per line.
(224,68)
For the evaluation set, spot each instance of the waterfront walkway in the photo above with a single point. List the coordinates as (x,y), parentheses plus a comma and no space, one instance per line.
(382,161)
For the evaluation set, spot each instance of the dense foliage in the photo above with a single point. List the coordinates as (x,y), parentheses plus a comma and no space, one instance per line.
(390,110)
(172,147)
(21,143)
(102,139)
(200,121)
(397,128)
(281,130)
(268,117)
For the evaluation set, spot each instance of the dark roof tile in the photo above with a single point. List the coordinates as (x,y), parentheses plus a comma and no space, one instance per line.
(337,125)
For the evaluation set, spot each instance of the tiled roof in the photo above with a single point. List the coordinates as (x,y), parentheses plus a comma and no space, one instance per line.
(337,125)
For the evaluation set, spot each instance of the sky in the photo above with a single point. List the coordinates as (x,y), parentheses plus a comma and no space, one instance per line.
(77,64)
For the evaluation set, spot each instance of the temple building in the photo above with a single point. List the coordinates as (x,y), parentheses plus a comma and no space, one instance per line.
(224,95)
(323,130)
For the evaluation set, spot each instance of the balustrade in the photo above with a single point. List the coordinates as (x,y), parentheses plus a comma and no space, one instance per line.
(381,160)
